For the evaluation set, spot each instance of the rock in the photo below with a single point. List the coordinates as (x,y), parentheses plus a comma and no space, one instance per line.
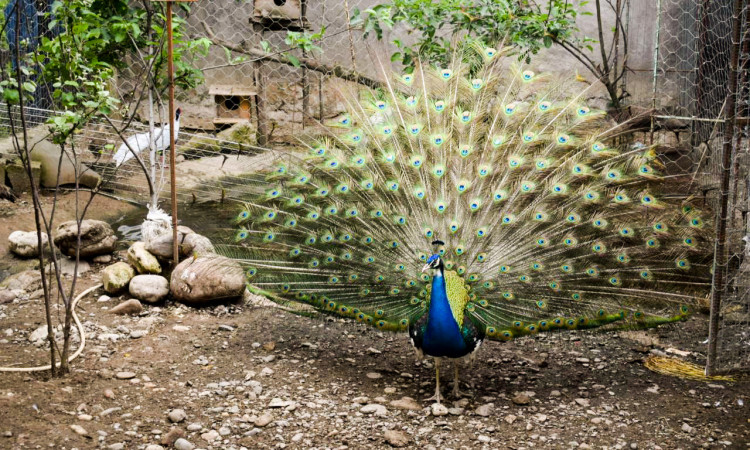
(68,266)
(97,238)
(177,415)
(103,299)
(161,245)
(149,288)
(116,277)
(54,171)
(131,307)
(224,431)
(8,295)
(137,334)
(154,447)
(687,428)
(583,402)
(142,260)
(210,436)
(510,418)
(438,410)
(521,399)
(38,336)
(77,429)
(102,259)
(25,243)
(279,403)
(373,375)
(116,446)
(374,409)
(194,427)
(205,279)
(485,410)
(263,420)
(406,403)
(125,375)
(18,177)
(28,280)
(196,244)
(396,438)
(183,444)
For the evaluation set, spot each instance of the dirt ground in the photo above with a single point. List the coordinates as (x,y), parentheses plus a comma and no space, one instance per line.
(256,377)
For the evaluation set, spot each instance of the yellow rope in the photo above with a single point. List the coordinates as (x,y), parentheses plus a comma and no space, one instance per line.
(682,369)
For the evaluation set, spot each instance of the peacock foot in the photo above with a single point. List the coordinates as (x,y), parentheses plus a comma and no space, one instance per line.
(435,398)
(458,393)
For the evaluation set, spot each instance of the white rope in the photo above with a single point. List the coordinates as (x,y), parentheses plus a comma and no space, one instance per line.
(81,334)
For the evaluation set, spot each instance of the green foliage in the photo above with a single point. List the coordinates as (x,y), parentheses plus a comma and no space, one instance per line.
(304,41)
(527,24)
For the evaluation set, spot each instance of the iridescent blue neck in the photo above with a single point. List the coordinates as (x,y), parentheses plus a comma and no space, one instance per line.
(443,335)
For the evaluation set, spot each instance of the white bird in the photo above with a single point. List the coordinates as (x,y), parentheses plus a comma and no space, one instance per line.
(157,223)
(140,141)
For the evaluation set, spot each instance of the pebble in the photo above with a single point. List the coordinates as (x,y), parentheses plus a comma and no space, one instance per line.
(361,400)
(396,438)
(171,437)
(116,446)
(85,417)
(555,394)
(521,399)
(279,403)
(109,393)
(406,403)
(583,402)
(263,420)
(181,328)
(375,409)
(438,409)
(137,334)
(177,415)
(154,447)
(104,298)
(183,444)
(226,328)
(483,438)
(210,436)
(131,307)
(224,431)
(297,437)
(77,429)
(109,411)
(687,428)
(485,410)
(194,427)
(373,375)
(510,418)
(125,375)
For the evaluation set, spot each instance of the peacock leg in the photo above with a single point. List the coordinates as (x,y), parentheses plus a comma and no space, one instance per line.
(456,385)
(436,397)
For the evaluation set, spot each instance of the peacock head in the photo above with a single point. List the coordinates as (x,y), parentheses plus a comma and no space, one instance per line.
(434,262)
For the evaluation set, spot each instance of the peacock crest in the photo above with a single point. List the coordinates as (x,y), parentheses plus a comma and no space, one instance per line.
(549,219)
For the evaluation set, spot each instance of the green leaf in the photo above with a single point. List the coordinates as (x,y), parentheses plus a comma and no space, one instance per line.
(293,60)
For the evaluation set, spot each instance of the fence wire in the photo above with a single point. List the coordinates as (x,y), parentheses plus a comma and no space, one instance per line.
(693,69)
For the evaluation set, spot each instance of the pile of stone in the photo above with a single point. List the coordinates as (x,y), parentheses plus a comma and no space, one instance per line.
(202,278)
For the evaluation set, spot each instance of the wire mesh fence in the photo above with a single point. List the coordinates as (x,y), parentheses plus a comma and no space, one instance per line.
(701,56)
(255,76)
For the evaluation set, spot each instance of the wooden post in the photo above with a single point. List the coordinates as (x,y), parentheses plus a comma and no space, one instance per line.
(172,162)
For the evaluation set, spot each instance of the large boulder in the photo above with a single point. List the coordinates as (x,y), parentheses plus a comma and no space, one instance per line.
(26,244)
(142,260)
(149,288)
(116,277)
(53,171)
(97,238)
(207,279)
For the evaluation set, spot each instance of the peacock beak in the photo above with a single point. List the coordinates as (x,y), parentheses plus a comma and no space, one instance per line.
(425,268)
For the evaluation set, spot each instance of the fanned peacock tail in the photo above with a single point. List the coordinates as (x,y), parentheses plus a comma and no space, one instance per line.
(548,222)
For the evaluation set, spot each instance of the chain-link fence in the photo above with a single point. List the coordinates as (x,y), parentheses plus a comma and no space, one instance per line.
(701,56)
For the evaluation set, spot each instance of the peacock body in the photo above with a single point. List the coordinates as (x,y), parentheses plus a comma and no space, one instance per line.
(478,201)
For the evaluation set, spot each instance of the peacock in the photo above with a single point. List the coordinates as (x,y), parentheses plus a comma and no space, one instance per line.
(476,201)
